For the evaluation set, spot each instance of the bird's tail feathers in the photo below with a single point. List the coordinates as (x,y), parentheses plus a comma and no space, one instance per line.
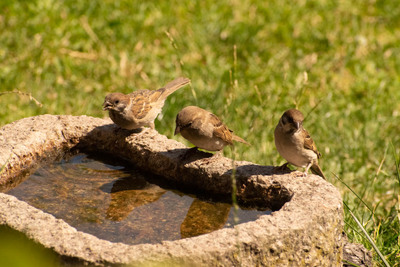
(174,85)
(317,170)
(238,139)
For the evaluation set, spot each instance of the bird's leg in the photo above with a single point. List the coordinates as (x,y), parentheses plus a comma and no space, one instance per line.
(307,168)
(217,154)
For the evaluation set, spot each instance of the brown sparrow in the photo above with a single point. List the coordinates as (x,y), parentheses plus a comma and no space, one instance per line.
(294,143)
(141,107)
(204,129)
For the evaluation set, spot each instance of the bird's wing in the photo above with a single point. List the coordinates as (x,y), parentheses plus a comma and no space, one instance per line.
(142,101)
(219,129)
(309,143)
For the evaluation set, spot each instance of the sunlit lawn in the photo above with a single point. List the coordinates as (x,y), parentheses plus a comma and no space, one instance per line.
(249,61)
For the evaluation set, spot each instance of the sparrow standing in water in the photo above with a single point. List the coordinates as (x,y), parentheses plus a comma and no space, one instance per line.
(295,144)
(141,107)
(204,129)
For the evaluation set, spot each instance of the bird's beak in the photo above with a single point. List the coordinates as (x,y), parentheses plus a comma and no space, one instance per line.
(297,124)
(106,105)
(177,130)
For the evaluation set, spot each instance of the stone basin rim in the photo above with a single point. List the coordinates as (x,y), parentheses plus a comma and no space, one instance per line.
(314,204)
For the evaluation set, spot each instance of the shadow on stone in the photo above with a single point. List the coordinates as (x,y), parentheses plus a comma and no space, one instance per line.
(263,194)
(187,155)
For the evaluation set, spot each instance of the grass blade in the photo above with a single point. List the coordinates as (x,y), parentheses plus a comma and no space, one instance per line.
(397,162)
(366,205)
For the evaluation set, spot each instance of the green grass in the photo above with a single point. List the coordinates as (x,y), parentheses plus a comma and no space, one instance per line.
(247,60)
(13,242)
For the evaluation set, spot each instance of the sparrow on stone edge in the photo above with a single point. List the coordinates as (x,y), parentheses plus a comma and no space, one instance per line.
(140,108)
(204,129)
(295,144)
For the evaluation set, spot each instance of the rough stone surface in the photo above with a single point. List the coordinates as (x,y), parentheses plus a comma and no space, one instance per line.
(356,255)
(305,228)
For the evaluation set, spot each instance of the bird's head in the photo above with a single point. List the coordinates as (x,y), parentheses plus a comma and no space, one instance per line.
(116,102)
(292,120)
(185,118)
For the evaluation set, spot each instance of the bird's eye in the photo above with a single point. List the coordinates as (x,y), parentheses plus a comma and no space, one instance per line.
(116,102)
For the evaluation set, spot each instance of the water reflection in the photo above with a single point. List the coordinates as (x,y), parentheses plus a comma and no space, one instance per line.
(128,193)
(204,217)
(116,202)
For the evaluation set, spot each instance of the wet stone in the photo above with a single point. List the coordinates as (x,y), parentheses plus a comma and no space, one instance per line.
(115,201)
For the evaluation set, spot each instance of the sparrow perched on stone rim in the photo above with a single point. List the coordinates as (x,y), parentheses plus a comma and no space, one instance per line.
(204,129)
(140,108)
(295,144)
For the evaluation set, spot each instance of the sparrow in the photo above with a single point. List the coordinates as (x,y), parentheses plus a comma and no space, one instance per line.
(295,144)
(204,129)
(140,108)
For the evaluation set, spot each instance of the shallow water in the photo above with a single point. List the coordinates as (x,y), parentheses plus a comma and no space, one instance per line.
(114,201)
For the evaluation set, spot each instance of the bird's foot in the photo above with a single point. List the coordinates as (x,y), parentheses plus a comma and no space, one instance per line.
(299,174)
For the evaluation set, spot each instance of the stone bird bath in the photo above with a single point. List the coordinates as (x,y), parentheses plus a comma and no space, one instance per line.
(304,229)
